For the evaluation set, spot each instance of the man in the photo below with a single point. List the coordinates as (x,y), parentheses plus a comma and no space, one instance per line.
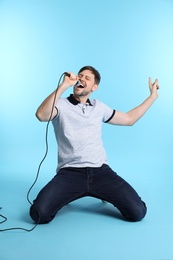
(82,164)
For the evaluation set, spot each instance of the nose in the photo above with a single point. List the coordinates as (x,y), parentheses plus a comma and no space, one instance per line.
(82,80)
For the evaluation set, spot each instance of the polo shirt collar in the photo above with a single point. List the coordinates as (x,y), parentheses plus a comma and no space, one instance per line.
(75,102)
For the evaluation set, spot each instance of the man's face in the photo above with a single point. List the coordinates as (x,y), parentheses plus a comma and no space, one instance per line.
(87,79)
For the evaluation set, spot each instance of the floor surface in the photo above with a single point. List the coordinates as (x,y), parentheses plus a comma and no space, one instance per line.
(86,229)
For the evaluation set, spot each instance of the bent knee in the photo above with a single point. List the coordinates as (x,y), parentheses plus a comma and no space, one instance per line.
(40,216)
(139,213)
(136,214)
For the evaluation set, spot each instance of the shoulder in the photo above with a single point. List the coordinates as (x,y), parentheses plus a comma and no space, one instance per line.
(97,102)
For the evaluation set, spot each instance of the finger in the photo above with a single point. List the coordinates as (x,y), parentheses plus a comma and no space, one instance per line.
(156,84)
(156,81)
(150,81)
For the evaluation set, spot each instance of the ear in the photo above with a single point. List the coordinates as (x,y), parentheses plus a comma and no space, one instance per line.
(95,87)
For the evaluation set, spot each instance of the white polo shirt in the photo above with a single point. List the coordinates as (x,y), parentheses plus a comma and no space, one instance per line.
(78,131)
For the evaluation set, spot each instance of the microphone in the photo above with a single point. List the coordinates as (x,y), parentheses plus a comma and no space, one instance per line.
(67,74)
(78,83)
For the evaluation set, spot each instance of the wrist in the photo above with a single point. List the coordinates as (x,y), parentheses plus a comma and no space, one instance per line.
(154,96)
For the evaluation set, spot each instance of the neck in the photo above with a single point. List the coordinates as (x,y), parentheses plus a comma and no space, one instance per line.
(81,99)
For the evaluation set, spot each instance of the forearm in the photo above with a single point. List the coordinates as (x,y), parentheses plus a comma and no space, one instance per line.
(135,114)
(131,117)
(46,111)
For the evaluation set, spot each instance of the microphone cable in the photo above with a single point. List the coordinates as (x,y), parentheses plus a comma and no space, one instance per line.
(39,167)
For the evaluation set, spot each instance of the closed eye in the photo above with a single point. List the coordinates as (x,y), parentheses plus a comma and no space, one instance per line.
(86,77)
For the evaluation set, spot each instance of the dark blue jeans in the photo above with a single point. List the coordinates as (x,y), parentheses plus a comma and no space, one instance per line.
(73,183)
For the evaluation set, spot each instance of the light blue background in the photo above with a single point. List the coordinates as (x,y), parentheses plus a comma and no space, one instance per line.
(127,41)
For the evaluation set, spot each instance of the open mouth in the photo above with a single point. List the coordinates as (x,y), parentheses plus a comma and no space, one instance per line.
(79,84)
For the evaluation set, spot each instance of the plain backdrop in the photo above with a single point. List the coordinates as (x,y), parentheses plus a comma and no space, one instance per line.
(128,42)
